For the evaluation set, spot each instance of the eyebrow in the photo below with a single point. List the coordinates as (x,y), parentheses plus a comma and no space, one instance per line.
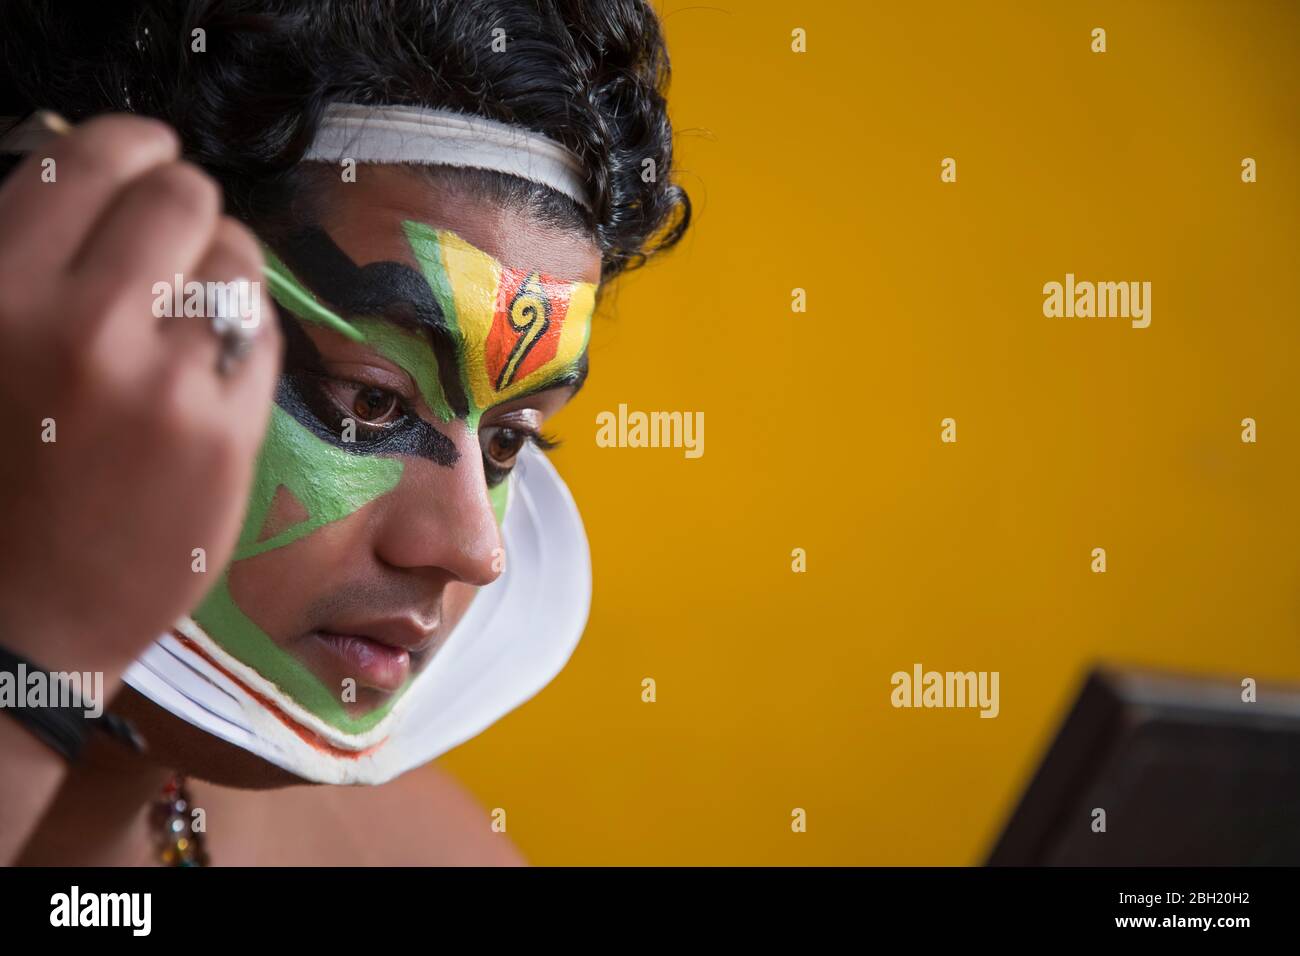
(397,293)
(392,291)
(404,313)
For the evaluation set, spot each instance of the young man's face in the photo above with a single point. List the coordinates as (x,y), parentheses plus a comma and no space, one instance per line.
(376,511)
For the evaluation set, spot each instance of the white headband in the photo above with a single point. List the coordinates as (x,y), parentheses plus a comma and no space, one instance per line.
(409,134)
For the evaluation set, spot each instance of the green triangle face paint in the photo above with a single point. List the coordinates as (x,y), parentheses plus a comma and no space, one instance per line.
(331,485)
(471,334)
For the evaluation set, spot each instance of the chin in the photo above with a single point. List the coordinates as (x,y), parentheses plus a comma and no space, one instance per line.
(317,738)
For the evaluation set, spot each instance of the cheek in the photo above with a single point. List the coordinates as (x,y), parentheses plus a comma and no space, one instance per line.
(304,519)
(286,512)
(277,589)
(303,484)
(500,498)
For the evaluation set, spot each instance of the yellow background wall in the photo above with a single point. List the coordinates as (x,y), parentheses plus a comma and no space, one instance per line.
(821,171)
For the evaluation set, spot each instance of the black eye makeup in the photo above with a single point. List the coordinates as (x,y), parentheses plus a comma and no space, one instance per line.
(383,422)
(365,411)
(361,418)
(373,410)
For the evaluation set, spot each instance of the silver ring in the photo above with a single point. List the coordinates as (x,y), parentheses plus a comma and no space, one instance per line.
(235,337)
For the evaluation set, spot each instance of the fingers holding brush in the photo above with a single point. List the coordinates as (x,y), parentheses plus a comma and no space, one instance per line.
(138,356)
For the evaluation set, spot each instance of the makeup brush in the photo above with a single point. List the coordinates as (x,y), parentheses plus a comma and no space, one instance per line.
(40,127)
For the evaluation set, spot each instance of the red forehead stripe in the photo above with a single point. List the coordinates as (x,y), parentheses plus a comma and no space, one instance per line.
(525,334)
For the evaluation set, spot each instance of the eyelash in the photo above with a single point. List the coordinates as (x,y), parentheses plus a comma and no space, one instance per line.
(333,405)
(494,473)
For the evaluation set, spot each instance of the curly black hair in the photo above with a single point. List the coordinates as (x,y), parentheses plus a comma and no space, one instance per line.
(590,74)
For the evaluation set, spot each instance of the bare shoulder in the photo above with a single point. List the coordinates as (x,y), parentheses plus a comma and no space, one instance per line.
(423,818)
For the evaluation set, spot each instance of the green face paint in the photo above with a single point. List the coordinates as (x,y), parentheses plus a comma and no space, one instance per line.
(331,485)
(286,290)
(512,331)
(516,330)
(413,355)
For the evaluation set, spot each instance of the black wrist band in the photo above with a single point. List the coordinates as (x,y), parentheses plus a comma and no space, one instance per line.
(62,729)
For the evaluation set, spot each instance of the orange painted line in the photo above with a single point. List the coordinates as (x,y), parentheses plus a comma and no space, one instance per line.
(310,737)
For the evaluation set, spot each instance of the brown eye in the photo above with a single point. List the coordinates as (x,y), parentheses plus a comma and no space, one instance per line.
(368,404)
(501,445)
(373,404)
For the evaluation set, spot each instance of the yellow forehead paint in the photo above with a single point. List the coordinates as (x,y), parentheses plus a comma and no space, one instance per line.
(515,328)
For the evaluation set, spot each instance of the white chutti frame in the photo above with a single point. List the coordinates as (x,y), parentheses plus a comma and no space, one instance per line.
(518,634)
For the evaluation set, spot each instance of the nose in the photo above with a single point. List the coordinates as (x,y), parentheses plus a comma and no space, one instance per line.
(440,517)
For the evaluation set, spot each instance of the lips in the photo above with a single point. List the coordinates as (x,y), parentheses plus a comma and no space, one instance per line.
(377,654)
